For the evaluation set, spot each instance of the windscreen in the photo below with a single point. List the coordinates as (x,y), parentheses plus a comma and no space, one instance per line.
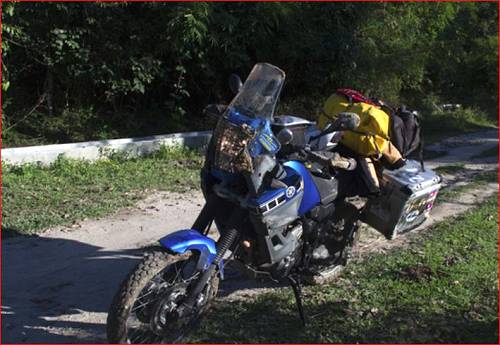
(259,94)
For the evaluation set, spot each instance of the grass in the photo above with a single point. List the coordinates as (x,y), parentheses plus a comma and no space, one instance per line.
(36,197)
(450,169)
(438,125)
(478,180)
(444,289)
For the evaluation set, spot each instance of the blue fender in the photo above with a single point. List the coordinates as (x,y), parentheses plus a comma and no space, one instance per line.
(184,240)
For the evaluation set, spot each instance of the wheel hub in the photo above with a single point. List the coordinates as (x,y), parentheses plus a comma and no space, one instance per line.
(165,314)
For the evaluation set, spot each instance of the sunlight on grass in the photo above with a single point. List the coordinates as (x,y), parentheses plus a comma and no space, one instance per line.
(37,197)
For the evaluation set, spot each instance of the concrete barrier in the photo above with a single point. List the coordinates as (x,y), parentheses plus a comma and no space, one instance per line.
(93,150)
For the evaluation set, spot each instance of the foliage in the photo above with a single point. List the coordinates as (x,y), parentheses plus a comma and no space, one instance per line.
(36,197)
(442,289)
(464,67)
(84,71)
(438,124)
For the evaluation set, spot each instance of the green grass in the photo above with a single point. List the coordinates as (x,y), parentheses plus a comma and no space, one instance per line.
(478,180)
(439,125)
(36,197)
(444,289)
(450,169)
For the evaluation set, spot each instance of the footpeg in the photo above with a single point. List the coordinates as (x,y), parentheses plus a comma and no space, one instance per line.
(343,162)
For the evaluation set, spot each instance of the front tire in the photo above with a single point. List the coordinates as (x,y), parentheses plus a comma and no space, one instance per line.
(144,308)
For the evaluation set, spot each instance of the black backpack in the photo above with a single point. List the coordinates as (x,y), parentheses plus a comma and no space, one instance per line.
(406,132)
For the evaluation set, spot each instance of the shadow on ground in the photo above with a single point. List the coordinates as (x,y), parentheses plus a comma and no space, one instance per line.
(271,319)
(49,282)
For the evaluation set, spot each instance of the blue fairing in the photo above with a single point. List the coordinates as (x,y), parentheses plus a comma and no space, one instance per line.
(311,195)
(184,240)
(267,195)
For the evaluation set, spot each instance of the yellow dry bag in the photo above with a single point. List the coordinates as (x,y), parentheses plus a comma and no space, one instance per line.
(372,135)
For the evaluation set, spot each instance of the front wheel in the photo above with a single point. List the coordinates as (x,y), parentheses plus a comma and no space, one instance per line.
(146,308)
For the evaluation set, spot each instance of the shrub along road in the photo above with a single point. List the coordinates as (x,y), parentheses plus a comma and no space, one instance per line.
(57,286)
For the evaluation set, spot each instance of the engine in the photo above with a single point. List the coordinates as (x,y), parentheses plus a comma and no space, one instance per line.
(283,267)
(273,254)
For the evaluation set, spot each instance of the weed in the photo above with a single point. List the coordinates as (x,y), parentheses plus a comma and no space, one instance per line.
(450,169)
(437,124)
(37,197)
(478,180)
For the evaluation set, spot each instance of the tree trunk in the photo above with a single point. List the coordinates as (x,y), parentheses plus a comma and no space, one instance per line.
(49,90)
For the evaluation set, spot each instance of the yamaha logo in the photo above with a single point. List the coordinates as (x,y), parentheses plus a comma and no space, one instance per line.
(290,192)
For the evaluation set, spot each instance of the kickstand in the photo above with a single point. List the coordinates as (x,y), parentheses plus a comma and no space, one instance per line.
(297,291)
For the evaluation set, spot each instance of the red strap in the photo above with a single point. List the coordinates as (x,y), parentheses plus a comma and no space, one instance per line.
(355,96)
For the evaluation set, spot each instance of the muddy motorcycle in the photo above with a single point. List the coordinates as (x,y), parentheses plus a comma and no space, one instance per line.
(271,190)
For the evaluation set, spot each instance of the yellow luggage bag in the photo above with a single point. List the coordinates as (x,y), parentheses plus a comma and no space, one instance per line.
(371,138)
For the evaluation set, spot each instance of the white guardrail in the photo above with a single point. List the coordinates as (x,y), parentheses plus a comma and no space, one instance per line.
(93,150)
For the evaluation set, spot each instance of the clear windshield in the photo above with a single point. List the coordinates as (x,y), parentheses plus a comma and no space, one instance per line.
(259,94)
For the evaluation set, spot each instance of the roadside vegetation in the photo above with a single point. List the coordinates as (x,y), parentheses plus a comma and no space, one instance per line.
(450,169)
(438,124)
(161,64)
(36,197)
(480,179)
(443,289)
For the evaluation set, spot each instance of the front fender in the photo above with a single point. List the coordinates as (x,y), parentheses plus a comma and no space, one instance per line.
(189,239)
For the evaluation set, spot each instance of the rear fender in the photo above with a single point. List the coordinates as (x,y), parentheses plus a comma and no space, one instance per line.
(185,240)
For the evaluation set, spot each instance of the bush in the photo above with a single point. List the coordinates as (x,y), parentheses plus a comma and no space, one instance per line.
(161,64)
(437,124)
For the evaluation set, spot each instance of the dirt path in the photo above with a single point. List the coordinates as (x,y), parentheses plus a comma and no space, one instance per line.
(56,288)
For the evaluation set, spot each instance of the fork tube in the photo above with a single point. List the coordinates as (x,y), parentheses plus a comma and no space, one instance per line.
(206,214)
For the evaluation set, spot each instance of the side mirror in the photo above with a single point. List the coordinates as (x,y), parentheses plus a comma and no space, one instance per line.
(235,83)
(344,121)
(285,136)
(215,110)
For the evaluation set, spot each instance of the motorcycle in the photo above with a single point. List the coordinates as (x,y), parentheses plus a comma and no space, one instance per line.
(271,188)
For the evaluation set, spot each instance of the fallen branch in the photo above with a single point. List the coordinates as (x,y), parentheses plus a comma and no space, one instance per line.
(38,103)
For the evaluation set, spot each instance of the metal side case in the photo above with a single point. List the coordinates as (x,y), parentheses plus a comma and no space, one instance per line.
(406,199)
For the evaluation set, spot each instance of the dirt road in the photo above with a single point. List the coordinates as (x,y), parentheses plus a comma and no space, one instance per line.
(56,288)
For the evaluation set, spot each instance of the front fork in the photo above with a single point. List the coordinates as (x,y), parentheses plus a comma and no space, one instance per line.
(224,243)
(228,237)
(206,215)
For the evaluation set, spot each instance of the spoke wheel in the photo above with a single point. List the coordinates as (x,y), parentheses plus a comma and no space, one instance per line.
(147,308)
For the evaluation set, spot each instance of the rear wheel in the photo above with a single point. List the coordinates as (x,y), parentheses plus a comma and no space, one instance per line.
(146,309)
(338,243)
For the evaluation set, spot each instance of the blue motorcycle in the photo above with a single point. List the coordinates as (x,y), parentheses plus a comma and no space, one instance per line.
(271,186)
